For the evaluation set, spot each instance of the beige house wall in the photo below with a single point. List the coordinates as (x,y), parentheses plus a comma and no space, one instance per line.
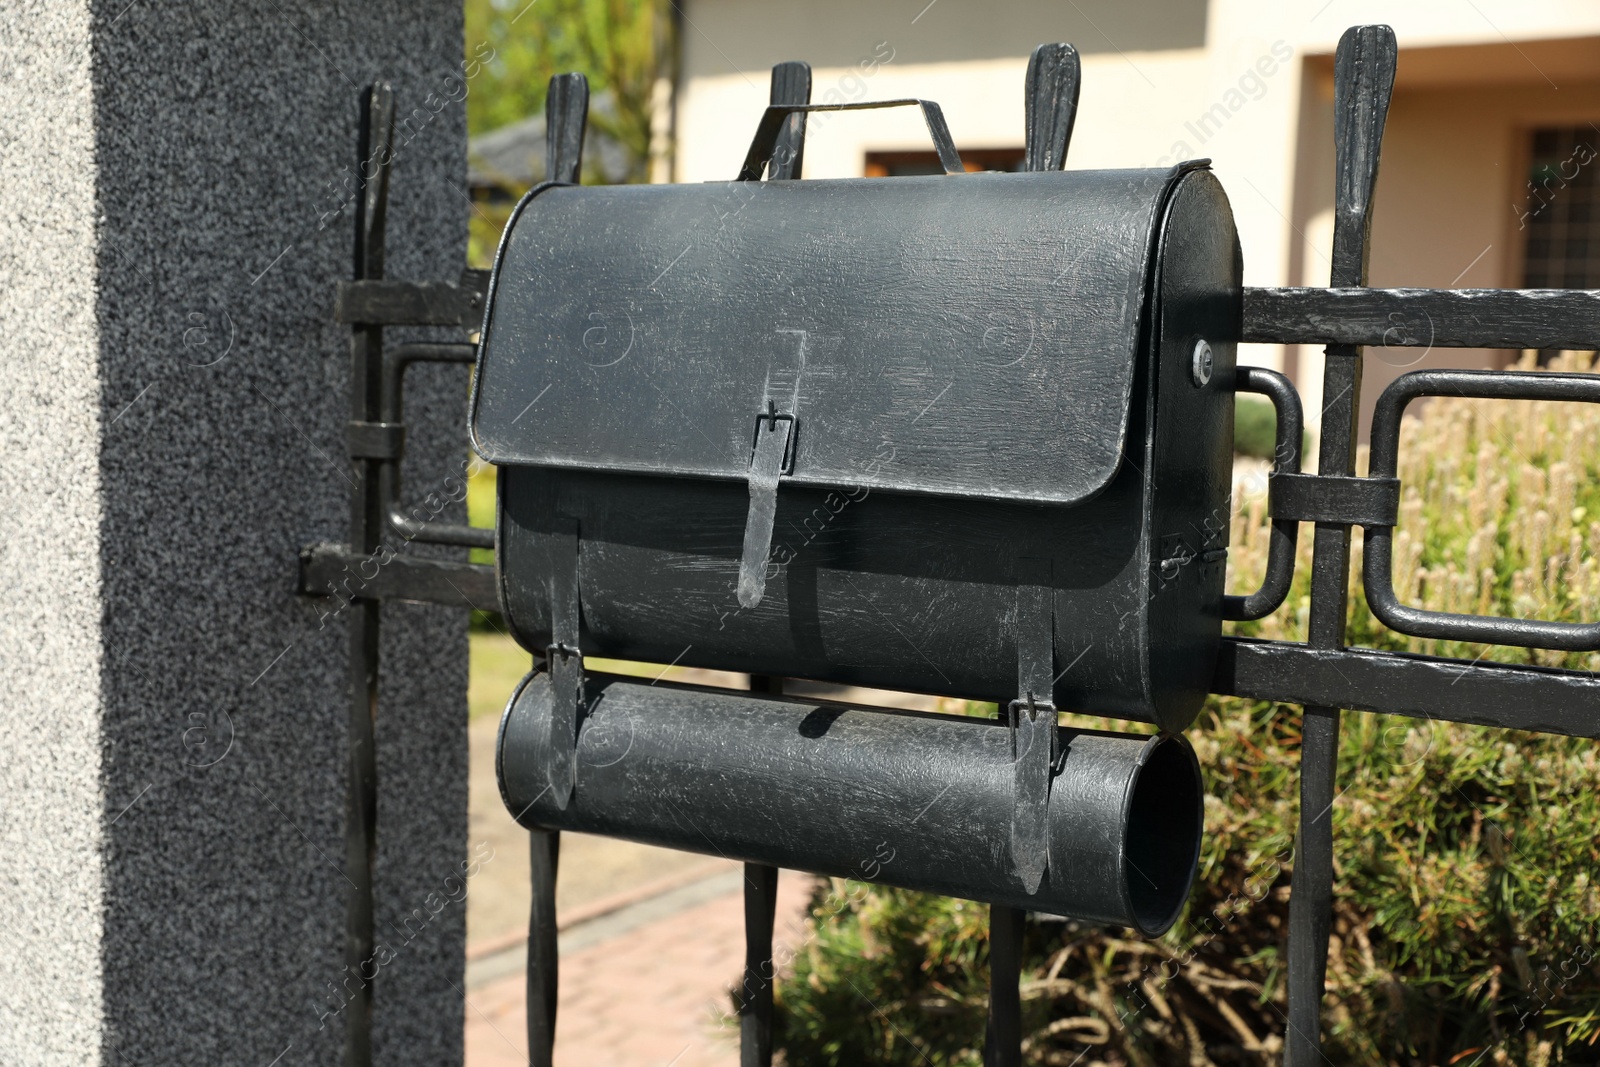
(1247,83)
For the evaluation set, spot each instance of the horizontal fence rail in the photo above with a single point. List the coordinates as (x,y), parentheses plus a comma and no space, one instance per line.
(1424,318)
(1477,692)
(335,571)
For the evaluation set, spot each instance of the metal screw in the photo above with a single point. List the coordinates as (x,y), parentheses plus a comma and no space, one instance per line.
(1201,363)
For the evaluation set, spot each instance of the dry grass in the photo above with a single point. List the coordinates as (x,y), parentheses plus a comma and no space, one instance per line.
(1499,515)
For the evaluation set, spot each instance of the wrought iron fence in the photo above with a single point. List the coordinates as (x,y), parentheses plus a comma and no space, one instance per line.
(1322,675)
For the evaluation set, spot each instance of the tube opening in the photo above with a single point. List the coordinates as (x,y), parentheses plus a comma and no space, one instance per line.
(1162,854)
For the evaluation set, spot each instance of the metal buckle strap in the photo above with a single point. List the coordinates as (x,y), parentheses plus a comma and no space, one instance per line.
(770,457)
(564,659)
(1033,722)
(1330,498)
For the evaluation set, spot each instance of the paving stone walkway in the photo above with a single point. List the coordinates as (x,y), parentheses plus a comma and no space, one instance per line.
(640,994)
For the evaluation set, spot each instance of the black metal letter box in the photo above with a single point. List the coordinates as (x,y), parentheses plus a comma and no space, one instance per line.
(847,429)
(967,434)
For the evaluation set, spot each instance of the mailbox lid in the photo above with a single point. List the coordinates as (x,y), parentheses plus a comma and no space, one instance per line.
(971,336)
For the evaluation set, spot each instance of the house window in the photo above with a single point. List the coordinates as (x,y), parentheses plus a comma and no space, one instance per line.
(904,164)
(1560,217)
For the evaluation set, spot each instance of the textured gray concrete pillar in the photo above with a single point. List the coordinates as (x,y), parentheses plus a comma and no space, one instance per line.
(174,213)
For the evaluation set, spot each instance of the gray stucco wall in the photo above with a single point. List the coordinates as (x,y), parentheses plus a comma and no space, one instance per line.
(172,397)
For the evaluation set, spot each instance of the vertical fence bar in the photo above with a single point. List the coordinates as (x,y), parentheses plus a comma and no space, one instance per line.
(760,915)
(791,84)
(1363,81)
(566,118)
(543,976)
(1050,98)
(1002,1044)
(1051,105)
(755,1000)
(566,114)
(366,530)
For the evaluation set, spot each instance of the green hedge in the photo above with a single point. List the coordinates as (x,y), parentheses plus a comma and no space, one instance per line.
(1255,428)
(1255,425)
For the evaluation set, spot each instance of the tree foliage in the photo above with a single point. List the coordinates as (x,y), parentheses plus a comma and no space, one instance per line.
(521,44)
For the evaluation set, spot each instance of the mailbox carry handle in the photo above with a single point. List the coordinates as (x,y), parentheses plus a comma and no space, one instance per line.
(1285,460)
(766,139)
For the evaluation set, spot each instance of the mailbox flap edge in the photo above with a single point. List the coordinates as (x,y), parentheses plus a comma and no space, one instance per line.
(972,336)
